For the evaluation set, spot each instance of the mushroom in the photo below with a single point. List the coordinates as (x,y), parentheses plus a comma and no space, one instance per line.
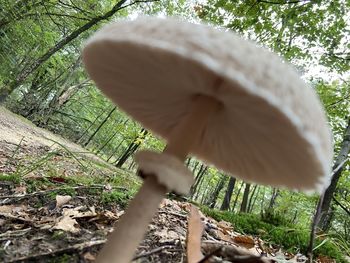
(211,94)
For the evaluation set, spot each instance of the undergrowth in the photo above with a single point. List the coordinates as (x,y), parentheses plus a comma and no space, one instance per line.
(278,232)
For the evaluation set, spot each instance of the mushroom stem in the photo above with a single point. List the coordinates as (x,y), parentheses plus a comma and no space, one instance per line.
(190,128)
(130,229)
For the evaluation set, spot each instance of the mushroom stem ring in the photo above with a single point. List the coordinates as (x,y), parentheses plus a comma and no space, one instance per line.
(131,228)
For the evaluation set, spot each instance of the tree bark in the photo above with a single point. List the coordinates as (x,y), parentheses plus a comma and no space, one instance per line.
(337,168)
(228,194)
(244,204)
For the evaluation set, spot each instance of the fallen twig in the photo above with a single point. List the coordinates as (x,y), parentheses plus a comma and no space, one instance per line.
(172,213)
(234,254)
(29,222)
(153,251)
(76,247)
(15,233)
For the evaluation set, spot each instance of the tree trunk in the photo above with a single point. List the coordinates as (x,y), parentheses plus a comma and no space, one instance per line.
(214,197)
(236,199)
(110,138)
(23,75)
(275,193)
(228,194)
(115,150)
(197,180)
(92,124)
(100,126)
(199,187)
(244,204)
(324,222)
(250,203)
(254,201)
(188,162)
(131,148)
(106,142)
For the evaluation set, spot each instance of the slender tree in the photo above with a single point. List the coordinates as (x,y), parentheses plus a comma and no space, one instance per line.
(133,146)
(228,194)
(340,160)
(213,197)
(100,126)
(237,196)
(244,204)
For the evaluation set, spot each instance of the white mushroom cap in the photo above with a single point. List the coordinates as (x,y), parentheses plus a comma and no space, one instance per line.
(271,129)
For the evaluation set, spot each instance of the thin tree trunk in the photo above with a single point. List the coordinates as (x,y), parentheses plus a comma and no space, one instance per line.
(99,127)
(214,196)
(228,194)
(115,150)
(107,142)
(236,199)
(250,203)
(131,148)
(197,180)
(188,161)
(88,128)
(340,160)
(110,138)
(198,189)
(244,204)
(275,193)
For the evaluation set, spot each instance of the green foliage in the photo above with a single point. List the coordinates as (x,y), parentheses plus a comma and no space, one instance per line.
(276,231)
(10,178)
(112,197)
(274,218)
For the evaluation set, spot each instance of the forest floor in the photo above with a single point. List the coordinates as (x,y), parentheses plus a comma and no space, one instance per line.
(58,203)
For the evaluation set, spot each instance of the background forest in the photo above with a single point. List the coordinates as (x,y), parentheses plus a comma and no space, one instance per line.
(42,79)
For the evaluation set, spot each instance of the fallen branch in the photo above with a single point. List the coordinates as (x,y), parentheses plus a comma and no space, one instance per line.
(154,251)
(234,254)
(172,213)
(76,247)
(14,233)
(29,222)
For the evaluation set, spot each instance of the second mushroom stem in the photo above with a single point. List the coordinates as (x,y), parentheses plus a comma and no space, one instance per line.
(130,229)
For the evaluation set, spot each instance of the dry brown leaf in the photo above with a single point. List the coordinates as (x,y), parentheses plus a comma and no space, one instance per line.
(62,199)
(7,209)
(194,236)
(20,190)
(244,241)
(223,236)
(325,259)
(88,256)
(226,227)
(68,224)
(75,213)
